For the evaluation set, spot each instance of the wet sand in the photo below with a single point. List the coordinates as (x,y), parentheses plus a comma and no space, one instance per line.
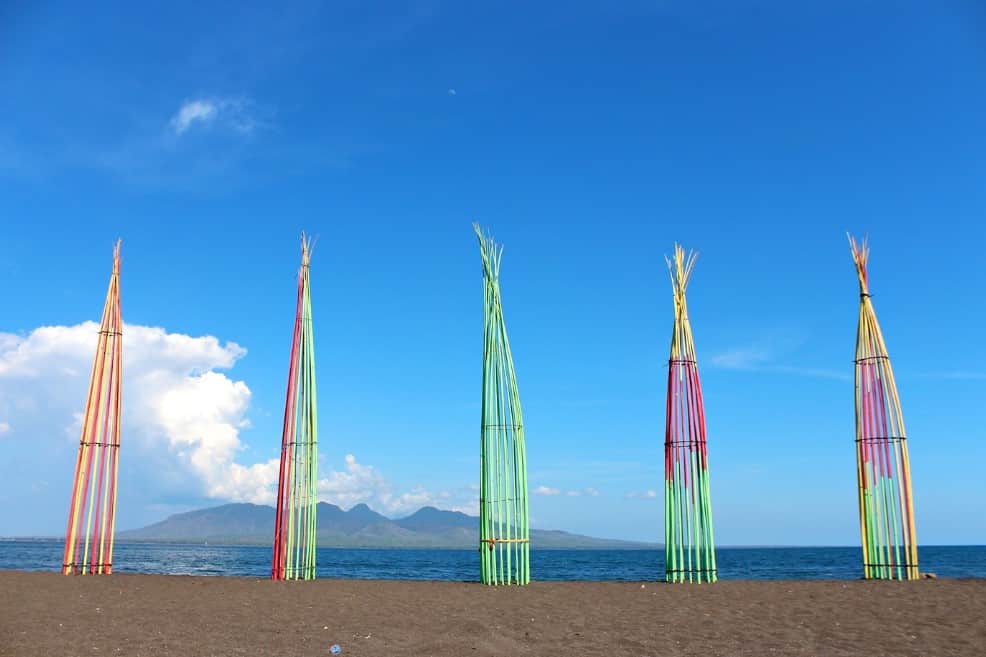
(47,614)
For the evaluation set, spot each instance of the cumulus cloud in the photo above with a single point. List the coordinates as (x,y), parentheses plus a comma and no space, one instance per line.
(359,483)
(174,395)
(182,415)
(545,490)
(642,495)
(233,113)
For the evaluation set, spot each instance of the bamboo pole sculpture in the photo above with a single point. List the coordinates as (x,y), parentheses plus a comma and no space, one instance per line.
(504,529)
(886,505)
(92,509)
(689,548)
(295,520)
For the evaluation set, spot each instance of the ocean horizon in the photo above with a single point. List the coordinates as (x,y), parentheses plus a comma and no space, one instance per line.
(454,564)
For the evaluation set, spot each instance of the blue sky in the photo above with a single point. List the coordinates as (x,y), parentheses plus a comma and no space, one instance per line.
(589,140)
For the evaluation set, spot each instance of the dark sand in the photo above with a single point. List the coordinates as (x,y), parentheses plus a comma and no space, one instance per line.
(142,615)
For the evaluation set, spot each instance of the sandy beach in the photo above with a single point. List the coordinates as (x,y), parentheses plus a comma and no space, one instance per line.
(44,614)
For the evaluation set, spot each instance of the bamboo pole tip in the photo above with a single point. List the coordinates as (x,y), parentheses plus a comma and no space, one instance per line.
(307,247)
(680,266)
(860,257)
(116,255)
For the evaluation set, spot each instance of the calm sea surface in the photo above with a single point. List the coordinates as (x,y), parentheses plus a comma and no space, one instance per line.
(463,565)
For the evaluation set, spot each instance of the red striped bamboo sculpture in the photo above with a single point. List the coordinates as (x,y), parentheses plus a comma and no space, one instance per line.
(92,510)
(295,519)
(688,542)
(886,505)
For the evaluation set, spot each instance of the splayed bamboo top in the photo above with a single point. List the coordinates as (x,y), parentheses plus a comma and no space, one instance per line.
(116,257)
(680,266)
(860,256)
(869,338)
(491,251)
(307,245)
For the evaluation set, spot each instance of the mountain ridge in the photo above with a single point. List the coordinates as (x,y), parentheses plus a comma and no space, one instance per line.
(359,527)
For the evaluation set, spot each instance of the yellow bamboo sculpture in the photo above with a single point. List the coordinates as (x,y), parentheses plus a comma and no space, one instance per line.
(92,510)
(886,504)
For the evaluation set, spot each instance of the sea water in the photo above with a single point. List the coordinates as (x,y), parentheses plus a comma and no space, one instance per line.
(463,565)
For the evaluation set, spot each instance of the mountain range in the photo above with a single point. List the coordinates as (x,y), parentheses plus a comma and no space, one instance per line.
(360,526)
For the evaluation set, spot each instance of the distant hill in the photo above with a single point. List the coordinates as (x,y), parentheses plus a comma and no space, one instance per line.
(252,524)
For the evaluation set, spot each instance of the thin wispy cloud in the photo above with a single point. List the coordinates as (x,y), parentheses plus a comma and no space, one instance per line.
(452,92)
(546,490)
(232,113)
(592,492)
(573,493)
(741,358)
(817,372)
(958,375)
(4,428)
(757,358)
(642,495)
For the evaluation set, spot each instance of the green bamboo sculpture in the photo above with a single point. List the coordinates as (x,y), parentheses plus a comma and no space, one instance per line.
(504,530)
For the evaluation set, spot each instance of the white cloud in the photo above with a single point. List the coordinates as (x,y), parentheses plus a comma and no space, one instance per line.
(202,111)
(592,492)
(173,397)
(741,358)
(232,112)
(545,490)
(452,92)
(363,483)
(471,493)
(359,483)
(182,416)
(958,375)
(642,495)
(573,493)
(760,359)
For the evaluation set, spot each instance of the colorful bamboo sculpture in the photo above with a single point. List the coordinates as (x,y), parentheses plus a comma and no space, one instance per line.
(92,510)
(688,542)
(886,507)
(504,531)
(294,523)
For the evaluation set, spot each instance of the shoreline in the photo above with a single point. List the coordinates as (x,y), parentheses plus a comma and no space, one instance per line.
(46,613)
(423,580)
